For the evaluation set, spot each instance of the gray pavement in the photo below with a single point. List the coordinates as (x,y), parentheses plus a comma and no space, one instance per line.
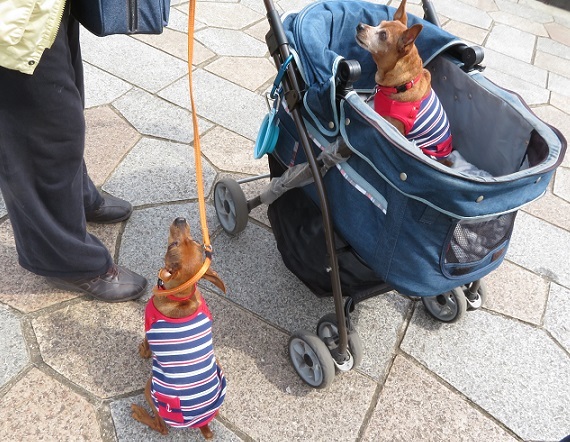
(69,367)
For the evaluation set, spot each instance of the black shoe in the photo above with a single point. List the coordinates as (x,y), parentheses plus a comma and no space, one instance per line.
(111,210)
(118,284)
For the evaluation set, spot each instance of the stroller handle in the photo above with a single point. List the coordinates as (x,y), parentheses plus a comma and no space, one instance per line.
(429,13)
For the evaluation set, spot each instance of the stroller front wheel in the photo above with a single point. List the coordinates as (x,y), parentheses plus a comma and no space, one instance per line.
(447,307)
(477,299)
(327,330)
(311,359)
(231,206)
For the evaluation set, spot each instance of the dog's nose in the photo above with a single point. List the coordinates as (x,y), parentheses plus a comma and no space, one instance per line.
(180,220)
(359,27)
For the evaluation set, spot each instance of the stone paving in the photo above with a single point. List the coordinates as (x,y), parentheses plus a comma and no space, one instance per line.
(69,367)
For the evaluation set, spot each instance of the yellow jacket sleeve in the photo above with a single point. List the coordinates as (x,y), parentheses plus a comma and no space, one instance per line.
(27,28)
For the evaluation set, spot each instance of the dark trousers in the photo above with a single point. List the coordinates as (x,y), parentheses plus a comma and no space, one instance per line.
(43,177)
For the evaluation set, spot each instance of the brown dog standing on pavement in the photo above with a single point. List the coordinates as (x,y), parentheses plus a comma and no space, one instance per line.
(404,95)
(187,386)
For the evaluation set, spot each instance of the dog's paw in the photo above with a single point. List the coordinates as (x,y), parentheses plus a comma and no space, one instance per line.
(156,423)
(139,413)
(161,427)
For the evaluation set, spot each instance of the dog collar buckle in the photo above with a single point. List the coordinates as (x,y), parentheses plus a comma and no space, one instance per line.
(405,87)
(399,89)
(208,251)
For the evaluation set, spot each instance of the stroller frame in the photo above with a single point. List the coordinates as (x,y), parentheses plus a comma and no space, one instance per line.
(279,49)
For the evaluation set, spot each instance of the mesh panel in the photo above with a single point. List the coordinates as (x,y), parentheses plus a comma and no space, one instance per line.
(471,241)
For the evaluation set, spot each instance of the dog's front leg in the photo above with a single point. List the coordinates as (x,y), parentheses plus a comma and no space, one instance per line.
(397,124)
(144,349)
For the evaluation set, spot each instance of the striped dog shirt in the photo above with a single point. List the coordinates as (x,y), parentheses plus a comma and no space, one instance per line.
(188,386)
(425,121)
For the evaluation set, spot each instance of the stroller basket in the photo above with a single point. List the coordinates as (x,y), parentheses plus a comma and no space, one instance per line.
(422,227)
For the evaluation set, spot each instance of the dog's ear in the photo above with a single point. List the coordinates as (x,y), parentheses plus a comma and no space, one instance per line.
(171,265)
(400,14)
(213,277)
(408,38)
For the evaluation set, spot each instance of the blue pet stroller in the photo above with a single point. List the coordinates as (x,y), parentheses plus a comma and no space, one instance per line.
(357,209)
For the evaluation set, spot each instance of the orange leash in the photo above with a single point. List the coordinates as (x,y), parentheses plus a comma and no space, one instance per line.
(197,154)
(156,290)
(198,160)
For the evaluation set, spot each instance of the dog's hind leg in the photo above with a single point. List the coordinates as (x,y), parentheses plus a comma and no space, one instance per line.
(206,431)
(140,414)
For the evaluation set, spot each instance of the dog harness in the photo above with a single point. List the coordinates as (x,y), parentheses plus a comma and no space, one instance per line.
(188,387)
(425,121)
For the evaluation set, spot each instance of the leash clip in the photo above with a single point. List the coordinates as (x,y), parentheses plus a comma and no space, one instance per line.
(208,251)
(272,107)
(279,77)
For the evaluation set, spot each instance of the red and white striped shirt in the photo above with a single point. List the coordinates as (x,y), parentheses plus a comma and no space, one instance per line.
(425,121)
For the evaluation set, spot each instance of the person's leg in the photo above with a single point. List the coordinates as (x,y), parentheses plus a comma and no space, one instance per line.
(97,209)
(42,134)
(42,172)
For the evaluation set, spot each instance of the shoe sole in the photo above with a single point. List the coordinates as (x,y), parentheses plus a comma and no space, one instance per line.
(114,221)
(71,288)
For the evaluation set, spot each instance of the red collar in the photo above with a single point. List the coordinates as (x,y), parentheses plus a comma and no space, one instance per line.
(389,90)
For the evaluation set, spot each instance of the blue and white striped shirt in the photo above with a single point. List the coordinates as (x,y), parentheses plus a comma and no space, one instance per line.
(431,128)
(188,386)
(425,121)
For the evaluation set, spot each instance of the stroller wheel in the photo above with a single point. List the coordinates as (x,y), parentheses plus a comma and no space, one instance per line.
(311,359)
(231,206)
(447,307)
(478,299)
(327,330)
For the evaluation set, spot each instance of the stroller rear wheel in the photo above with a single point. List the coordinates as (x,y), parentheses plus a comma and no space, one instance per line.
(311,359)
(327,330)
(231,206)
(447,307)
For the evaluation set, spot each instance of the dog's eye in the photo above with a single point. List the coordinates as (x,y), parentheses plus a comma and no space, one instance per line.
(382,35)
